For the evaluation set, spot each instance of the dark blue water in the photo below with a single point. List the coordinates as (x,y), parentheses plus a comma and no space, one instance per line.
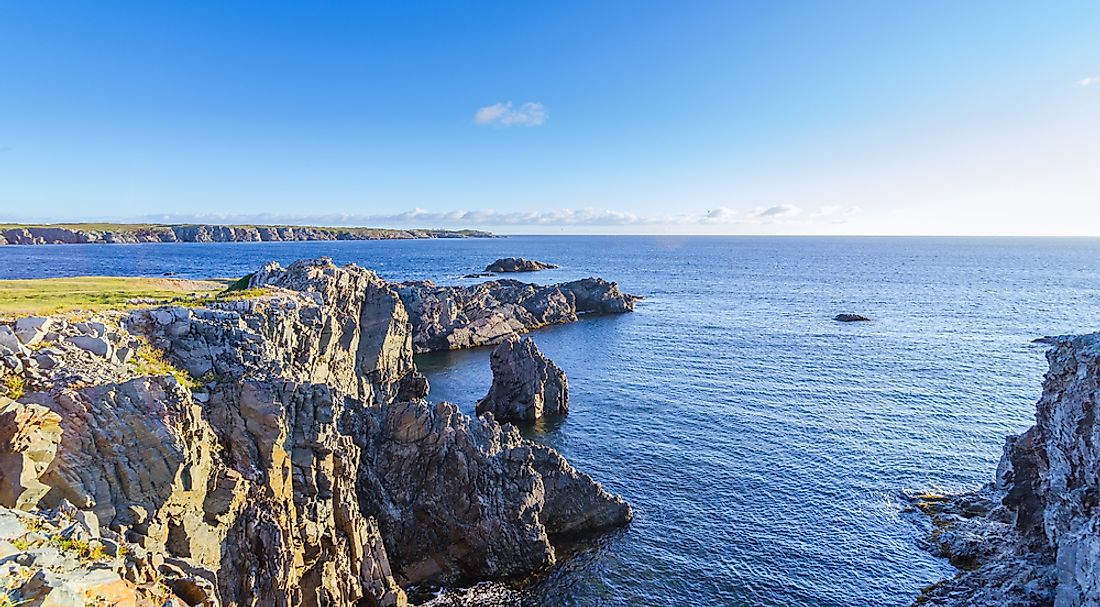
(763,446)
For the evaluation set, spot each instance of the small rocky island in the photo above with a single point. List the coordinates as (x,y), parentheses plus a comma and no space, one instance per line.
(1032,536)
(273,445)
(130,233)
(518,264)
(848,317)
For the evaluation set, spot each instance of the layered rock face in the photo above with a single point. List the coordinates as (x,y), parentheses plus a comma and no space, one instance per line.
(463,499)
(518,264)
(526,384)
(123,233)
(449,318)
(1032,537)
(272,450)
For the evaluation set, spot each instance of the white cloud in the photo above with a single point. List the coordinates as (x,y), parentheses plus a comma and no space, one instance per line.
(1088,81)
(502,114)
(422,218)
(781,210)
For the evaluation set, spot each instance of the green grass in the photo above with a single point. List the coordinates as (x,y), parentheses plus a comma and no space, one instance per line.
(151,361)
(55,295)
(14,386)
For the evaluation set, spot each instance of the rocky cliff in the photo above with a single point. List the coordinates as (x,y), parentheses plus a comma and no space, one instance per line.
(272,448)
(1032,537)
(135,233)
(450,318)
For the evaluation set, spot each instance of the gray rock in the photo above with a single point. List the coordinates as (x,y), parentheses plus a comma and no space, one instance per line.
(448,318)
(518,264)
(31,329)
(88,343)
(846,317)
(526,384)
(9,343)
(461,499)
(1041,546)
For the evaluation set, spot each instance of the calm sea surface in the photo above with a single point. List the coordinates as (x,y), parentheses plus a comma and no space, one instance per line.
(764,446)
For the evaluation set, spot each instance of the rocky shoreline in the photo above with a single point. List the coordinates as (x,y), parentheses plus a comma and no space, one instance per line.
(1032,537)
(147,233)
(269,447)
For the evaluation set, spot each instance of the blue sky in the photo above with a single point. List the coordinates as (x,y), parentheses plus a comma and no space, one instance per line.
(579,117)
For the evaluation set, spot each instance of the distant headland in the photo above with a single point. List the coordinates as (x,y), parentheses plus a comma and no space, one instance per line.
(110,233)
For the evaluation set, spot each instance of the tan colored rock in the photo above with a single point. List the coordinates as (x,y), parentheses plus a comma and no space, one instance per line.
(29,436)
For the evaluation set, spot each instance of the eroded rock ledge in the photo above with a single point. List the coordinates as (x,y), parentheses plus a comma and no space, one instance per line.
(1032,537)
(450,318)
(269,450)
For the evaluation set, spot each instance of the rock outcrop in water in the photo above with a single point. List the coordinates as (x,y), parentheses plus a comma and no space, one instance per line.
(449,318)
(526,384)
(846,317)
(518,264)
(1032,537)
(136,233)
(270,449)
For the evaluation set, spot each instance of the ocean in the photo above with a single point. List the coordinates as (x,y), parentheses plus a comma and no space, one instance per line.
(765,447)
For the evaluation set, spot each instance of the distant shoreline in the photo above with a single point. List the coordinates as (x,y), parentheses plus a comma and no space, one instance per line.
(133,233)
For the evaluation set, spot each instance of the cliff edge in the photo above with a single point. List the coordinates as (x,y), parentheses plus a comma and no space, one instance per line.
(1032,536)
(267,447)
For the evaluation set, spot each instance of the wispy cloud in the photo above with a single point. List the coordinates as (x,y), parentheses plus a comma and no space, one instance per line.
(423,218)
(1089,81)
(503,114)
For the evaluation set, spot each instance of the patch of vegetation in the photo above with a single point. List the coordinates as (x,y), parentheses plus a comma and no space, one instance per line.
(241,284)
(15,386)
(21,544)
(84,550)
(54,295)
(149,360)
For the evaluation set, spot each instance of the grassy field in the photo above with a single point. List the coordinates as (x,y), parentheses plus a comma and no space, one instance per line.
(52,295)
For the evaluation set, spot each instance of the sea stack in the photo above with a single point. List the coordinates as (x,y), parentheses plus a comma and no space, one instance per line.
(518,264)
(526,384)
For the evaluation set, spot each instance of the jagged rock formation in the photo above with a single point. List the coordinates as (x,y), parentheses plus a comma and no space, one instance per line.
(463,499)
(1032,537)
(518,264)
(135,233)
(274,449)
(526,384)
(449,318)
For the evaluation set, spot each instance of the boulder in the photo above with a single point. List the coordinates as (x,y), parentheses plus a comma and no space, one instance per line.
(526,384)
(90,343)
(518,264)
(31,329)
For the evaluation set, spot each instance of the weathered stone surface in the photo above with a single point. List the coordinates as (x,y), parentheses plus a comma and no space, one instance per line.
(518,264)
(272,451)
(41,570)
(461,499)
(448,318)
(31,329)
(29,435)
(1041,544)
(526,384)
